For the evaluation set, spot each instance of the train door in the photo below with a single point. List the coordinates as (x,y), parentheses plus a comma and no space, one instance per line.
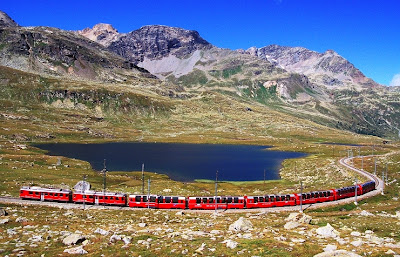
(96,200)
(41,196)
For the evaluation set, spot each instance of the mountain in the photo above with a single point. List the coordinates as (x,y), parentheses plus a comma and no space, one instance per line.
(156,42)
(321,87)
(102,33)
(328,68)
(55,52)
(6,21)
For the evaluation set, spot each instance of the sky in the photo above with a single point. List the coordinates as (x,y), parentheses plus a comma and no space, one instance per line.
(365,32)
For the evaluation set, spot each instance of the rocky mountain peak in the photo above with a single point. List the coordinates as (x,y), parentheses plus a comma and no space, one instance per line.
(328,68)
(158,41)
(101,33)
(6,21)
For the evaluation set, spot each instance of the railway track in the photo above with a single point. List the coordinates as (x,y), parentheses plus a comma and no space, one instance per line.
(379,186)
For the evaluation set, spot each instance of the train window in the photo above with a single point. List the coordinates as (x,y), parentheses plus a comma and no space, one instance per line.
(117,198)
(328,193)
(204,200)
(223,200)
(229,200)
(256,199)
(160,199)
(30,192)
(46,194)
(90,196)
(312,195)
(287,197)
(168,199)
(211,200)
(261,199)
(272,198)
(152,199)
(175,199)
(138,198)
(218,200)
(236,199)
(267,199)
(198,200)
(308,196)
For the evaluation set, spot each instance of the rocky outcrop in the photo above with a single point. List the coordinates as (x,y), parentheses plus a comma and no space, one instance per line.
(241,225)
(73,239)
(6,21)
(101,33)
(156,41)
(328,68)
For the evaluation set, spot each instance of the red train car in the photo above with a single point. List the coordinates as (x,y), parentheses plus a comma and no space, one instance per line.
(45,194)
(222,202)
(368,187)
(316,197)
(285,200)
(99,198)
(346,192)
(143,201)
(171,202)
(265,201)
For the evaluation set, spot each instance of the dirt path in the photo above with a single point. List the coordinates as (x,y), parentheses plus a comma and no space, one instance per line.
(344,162)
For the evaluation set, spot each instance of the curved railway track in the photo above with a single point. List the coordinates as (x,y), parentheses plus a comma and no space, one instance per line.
(379,186)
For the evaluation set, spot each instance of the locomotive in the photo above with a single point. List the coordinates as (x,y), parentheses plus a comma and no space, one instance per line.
(192,202)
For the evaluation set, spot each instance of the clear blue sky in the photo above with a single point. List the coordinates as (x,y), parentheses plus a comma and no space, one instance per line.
(365,32)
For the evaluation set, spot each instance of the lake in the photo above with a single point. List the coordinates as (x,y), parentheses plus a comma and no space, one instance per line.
(181,162)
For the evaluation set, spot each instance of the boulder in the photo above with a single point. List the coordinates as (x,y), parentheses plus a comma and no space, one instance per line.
(142,224)
(179,213)
(330,248)
(115,238)
(101,231)
(299,217)
(241,225)
(4,221)
(3,212)
(73,239)
(230,243)
(76,250)
(327,231)
(355,233)
(337,253)
(291,225)
(357,243)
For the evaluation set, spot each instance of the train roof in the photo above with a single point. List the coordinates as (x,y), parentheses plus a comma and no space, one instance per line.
(214,196)
(48,190)
(100,193)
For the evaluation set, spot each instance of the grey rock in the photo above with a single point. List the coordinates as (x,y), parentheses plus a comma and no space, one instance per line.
(330,248)
(3,212)
(299,217)
(230,243)
(4,221)
(115,238)
(327,231)
(76,250)
(101,231)
(241,225)
(73,239)
(337,253)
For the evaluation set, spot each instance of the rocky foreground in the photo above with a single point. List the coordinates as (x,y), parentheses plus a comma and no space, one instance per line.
(44,231)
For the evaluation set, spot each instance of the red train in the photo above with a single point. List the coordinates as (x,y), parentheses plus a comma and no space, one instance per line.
(192,202)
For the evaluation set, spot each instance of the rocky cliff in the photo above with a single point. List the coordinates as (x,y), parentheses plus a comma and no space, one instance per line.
(155,42)
(6,21)
(328,68)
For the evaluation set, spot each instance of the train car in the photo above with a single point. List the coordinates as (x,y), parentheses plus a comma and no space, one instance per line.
(367,187)
(285,200)
(220,202)
(346,192)
(143,201)
(99,198)
(46,194)
(316,197)
(265,201)
(171,202)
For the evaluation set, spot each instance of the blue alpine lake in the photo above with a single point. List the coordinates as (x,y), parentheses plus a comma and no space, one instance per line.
(181,162)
